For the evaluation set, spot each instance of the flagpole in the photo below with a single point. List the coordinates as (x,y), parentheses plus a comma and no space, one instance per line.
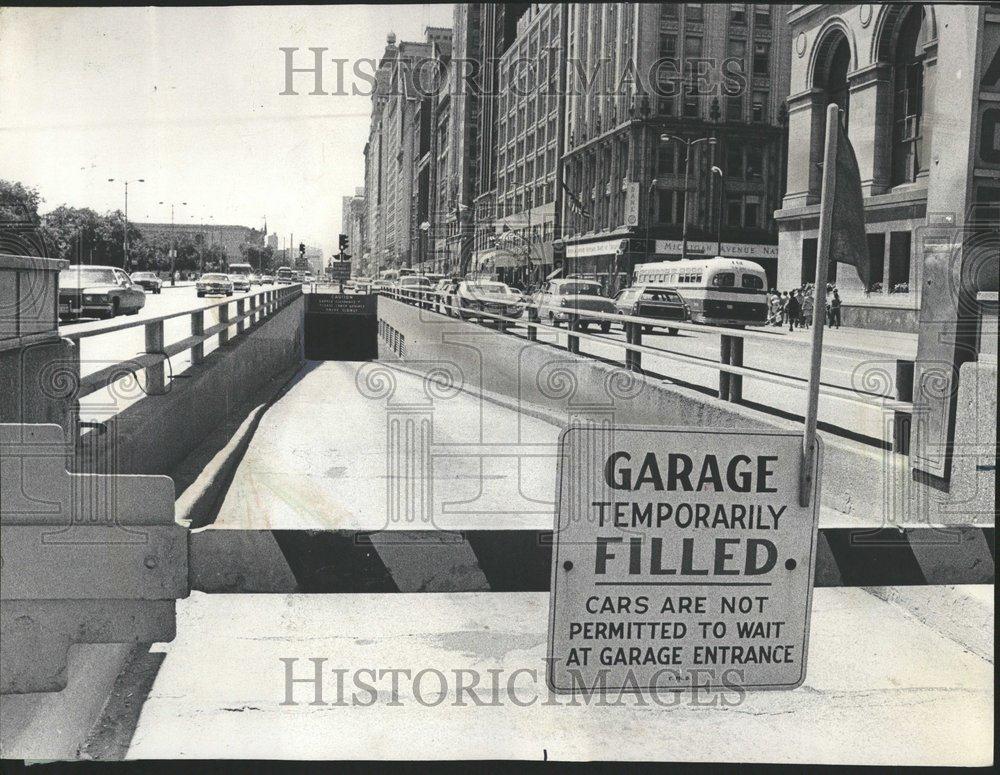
(819,304)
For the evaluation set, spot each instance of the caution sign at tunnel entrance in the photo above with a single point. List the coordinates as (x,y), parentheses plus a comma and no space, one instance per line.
(682,559)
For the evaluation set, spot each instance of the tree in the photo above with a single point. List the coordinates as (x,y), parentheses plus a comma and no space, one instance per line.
(18,202)
(260,258)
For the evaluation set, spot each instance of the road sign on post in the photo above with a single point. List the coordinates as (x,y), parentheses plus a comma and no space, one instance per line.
(682,559)
(340,270)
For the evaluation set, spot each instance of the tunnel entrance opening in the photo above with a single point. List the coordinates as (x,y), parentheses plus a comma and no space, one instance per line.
(341,327)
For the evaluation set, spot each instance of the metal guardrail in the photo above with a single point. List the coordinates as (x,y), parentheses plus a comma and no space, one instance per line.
(729,366)
(262,306)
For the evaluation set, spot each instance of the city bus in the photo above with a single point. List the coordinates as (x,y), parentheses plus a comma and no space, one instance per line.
(718,291)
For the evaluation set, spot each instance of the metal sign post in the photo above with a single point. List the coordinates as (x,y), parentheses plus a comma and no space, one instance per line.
(819,306)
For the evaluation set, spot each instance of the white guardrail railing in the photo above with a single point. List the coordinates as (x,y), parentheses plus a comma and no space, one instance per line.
(730,366)
(251,310)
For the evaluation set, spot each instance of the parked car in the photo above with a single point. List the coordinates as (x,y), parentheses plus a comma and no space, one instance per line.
(266,279)
(99,291)
(217,284)
(569,300)
(486,296)
(648,301)
(148,281)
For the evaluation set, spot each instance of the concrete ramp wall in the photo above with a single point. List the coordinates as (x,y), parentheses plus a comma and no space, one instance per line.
(156,434)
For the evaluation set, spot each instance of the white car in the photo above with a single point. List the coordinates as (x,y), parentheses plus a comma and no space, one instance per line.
(218,284)
(569,300)
(491,296)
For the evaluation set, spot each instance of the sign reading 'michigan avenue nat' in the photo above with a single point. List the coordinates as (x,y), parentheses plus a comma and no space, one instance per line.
(682,559)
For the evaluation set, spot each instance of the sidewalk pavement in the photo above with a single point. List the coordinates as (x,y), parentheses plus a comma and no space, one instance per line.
(882,688)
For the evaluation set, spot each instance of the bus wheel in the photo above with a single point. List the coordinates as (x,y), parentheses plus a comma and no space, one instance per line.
(672,332)
(605,328)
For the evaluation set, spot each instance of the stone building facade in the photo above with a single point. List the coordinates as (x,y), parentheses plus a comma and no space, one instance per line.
(908,80)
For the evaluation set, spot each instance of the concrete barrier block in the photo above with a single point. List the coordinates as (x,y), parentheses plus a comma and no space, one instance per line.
(84,558)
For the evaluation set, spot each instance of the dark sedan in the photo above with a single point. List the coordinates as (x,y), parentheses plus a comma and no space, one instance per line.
(148,281)
(97,291)
(651,302)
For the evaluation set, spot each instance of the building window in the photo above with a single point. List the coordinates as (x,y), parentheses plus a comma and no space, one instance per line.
(876,262)
(692,103)
(734,108)
(734,159)
(668,46)
(692,46)
(760,105)
(738,51)
(693,12)
(762,15)
(898,277)
(751,213)
(734,210)
(738,13)
(908,94)
(665,106)
(755,162)
(665,160)
(668,11)
(761,59)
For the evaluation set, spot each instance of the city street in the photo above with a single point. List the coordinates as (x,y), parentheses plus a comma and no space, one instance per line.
(853,359)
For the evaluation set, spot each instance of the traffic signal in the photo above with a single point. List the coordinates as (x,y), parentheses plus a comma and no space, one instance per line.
(343,243)
(302,248)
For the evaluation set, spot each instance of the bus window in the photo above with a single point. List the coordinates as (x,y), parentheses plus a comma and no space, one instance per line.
(724,280)
(752,281)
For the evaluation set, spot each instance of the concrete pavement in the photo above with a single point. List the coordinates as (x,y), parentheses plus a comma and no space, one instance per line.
(882,688)
(338,451)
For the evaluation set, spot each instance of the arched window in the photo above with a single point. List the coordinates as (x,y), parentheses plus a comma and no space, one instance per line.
(907,97)
(836,79)
(833,61)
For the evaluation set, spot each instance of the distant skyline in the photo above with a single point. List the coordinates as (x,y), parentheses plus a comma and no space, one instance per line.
(189,99)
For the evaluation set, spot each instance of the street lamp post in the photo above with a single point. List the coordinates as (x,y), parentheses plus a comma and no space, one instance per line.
(173,241)
(649,212)
(688,145)
(722,198)
(125,261)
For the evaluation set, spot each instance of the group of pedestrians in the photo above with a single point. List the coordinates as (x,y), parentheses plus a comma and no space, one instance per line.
(795,308)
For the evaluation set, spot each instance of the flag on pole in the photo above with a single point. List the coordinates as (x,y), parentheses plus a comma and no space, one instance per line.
(848,243)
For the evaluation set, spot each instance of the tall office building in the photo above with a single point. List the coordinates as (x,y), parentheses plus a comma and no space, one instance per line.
(646,82)
(396,143)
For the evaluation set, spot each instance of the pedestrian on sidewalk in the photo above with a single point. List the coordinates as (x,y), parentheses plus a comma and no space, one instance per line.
(807,309)
(835,309)
(792,310)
